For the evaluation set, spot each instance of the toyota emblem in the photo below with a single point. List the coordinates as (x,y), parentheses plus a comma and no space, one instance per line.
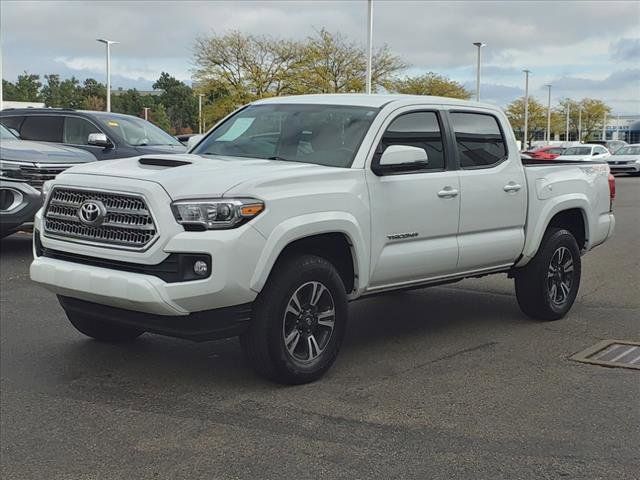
(92,212)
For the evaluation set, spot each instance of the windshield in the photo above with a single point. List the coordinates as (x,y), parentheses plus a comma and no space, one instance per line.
(138,132)
(577,151)
(630,150)
(5,134)
(320,134)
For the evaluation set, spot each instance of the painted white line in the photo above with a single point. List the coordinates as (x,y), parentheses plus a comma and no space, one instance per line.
(629,350)
(606,351)
(635,360)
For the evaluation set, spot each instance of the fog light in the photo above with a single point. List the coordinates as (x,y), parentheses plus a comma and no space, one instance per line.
(200,268)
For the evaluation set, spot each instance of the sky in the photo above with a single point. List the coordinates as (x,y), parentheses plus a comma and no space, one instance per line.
(584,49)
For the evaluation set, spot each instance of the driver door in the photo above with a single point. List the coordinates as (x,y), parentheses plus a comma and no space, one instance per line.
(414,213)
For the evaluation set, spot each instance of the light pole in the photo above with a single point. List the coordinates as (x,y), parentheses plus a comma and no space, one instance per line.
(618,127)
(548,85)
(580,124)
(526,108)
(566,135)
(146,113)
(604,127)
(200,95)
(108,43)
(369,45)
(479,45)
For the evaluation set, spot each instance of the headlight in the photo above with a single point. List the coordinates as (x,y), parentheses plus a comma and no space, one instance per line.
(216,214)
(10,169)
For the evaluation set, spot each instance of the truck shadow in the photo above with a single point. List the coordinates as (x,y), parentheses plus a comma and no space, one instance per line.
(16,244)
(217,368)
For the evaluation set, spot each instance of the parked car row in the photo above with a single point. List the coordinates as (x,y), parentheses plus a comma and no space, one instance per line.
(39,143)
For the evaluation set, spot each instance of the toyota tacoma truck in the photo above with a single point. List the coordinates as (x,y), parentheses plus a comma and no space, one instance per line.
(291,207)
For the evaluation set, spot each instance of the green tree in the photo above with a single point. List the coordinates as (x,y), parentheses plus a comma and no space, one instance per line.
(62,93)
(537,121)
(179,101)
(430,84)
(158,116)
(26,88)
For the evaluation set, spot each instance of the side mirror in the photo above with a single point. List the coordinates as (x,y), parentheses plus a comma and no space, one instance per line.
(595,153)
(193,140)
(401,158)
(99,140)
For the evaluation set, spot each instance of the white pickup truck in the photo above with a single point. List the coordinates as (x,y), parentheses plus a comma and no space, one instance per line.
(291,207)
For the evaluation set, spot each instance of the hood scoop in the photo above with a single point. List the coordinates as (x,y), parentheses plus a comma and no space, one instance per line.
(162,162)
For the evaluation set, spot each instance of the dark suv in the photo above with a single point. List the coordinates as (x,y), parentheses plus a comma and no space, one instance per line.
(105,135)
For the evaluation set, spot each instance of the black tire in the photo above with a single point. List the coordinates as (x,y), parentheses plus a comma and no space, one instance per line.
(546,290)
(103,331)
(264,343)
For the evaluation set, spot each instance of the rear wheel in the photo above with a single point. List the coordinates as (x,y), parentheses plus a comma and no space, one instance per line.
(103,331)
(299,321)
(548,285)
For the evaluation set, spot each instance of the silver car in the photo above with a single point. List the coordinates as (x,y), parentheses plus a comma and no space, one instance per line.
(626,160)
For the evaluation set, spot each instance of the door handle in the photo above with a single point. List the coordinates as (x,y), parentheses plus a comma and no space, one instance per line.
(448,192)
(512,187)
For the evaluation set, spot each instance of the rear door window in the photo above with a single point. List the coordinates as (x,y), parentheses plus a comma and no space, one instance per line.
(77,130)
(12,122)
(42,128)
(479,139)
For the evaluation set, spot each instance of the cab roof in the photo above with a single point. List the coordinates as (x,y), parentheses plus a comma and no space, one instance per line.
(371,100)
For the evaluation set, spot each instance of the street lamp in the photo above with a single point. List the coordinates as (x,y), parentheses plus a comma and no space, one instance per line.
(566,135)
(526,108)
(369,45)
(548,85)
(479,45)
(580,124)
(604,127)
(200,95)
(108,43)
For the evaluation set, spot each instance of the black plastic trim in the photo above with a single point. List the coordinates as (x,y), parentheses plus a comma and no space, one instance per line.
(197,326)
(177,267)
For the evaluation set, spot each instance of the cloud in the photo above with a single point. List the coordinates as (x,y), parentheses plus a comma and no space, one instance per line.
(564,40)
(626,50)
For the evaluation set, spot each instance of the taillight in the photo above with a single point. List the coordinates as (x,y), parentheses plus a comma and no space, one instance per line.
(612,191)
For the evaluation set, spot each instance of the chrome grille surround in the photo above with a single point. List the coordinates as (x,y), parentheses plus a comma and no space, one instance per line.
(36,174)
(128,223)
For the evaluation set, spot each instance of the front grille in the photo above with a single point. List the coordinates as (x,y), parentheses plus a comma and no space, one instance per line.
(127,221)
(36,175)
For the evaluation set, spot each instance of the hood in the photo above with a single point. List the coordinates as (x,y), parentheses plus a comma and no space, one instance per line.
(39,152)
(154,149)
(193,176)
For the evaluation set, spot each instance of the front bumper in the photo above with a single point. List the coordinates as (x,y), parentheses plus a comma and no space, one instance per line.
(27,202)
(631,167)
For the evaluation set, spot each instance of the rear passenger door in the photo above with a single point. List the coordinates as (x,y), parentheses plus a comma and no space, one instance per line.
(493,196)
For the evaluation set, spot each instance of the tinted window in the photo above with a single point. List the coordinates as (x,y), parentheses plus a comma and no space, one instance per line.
(12,122)
(555,151)
(600,150)
(479,139)
(577,151)
(43,129)
(136,131)
(77,130)
(320,134)
(418,129)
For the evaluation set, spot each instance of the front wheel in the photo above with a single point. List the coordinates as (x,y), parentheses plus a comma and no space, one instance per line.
(548,285)
(299,321)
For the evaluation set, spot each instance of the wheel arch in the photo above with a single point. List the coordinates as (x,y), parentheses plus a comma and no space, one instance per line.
(338,239)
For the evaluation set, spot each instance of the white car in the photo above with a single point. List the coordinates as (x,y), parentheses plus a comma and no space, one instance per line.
(626,160)
(293,206)
(584,152)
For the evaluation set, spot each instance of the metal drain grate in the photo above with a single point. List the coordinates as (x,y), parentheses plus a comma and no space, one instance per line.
(611,353)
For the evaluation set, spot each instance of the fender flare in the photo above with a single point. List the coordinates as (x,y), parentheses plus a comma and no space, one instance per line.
(308,225)
(554,206)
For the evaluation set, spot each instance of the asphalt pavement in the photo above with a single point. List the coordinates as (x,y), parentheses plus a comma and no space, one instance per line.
(445,383)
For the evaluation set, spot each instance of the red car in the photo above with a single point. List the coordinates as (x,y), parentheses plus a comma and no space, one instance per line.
(548,152)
